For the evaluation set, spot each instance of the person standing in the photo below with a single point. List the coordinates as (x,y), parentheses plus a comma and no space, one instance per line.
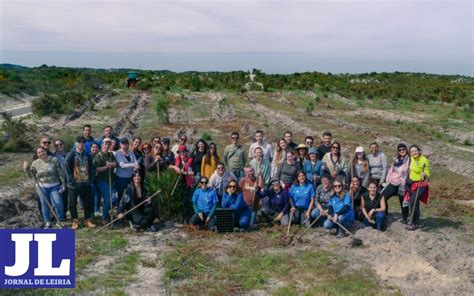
(183,167)
(378,164)
(198,154)
(261,167)
(235,157)
(289,140)
(396,179)
(325,147)
(127,164)
(209,161)
(360,166)
(265,147)
(417,186)
(335,164)
(312,167)
(60,155)
(109,133)
(87,134)
(50,183)
(288,171)
(105,163)
(79,178)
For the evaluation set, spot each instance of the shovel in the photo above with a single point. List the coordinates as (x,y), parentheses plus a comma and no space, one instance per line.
(356,242)
(287,239)
(300,238)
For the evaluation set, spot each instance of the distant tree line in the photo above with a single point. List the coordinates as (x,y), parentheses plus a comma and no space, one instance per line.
(61,89)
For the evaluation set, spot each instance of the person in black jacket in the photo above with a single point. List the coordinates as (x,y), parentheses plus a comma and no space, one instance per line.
(143,216)
(79,177)
(356,191)
(373,207)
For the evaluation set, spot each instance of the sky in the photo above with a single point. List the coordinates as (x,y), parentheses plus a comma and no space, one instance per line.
(274,36)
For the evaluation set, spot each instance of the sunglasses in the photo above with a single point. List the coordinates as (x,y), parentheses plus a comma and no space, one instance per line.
(47,142)
(337,186)
(232,186)
(59,144)
(402,149)
(202,182)
(182,139)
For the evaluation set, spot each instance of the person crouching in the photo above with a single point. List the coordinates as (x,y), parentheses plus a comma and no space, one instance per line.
(143,216)
(205,204)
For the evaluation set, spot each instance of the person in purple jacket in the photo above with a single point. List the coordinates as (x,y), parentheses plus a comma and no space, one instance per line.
(275,204)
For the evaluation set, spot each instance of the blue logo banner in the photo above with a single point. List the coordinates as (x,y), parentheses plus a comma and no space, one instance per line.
(37,258)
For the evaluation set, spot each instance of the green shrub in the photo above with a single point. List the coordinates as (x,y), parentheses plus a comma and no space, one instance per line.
(161,108)
(171,206)
(206,136)
(18,135)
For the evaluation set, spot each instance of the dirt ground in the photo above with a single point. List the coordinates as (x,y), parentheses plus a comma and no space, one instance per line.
(438,259)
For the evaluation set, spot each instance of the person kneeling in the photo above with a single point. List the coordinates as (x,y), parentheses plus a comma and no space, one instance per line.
(233,199)
(340,209)
(143,216)
(373,206)
(205,204)
(275,204)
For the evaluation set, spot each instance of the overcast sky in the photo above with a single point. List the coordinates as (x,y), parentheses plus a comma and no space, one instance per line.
(275,36)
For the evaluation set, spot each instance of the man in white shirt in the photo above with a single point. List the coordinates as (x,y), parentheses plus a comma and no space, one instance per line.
(266,148)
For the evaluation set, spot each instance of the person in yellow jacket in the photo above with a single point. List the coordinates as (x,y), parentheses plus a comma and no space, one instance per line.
(209,161)
(419,171)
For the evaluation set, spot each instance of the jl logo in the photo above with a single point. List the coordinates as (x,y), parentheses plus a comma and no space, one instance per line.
(33,258)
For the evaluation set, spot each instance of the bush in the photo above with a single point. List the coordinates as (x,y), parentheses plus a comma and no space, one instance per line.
(161,108)
(171,206)
(18,135)
(206,136)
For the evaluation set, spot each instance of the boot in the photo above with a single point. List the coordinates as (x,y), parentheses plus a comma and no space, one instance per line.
(88,223)
(412,227)
(75,224)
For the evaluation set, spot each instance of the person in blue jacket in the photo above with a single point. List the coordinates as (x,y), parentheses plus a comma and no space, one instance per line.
(312,167)
(234,200)
(205,204)
(275,203)
(339,209)
(301,200)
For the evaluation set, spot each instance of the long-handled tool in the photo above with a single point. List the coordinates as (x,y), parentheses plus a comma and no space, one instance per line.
(287,239)
(300,238)
(124,214)
(58,223)
(111,211)
(416,197)
(355,241)
(175,185)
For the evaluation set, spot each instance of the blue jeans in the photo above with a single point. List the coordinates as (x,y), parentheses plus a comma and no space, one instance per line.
(122,184)
(380,219)
(53,197)
(95,195)
(345,220)
(242,218)
(104,190)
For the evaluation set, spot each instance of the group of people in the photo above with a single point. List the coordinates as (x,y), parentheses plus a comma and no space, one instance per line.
(282,183)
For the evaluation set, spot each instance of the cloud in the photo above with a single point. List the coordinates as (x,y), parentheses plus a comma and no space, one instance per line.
(376,29)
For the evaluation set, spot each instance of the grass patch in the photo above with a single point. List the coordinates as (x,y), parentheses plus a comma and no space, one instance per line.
(247,265)
(113,281)
(11,175)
